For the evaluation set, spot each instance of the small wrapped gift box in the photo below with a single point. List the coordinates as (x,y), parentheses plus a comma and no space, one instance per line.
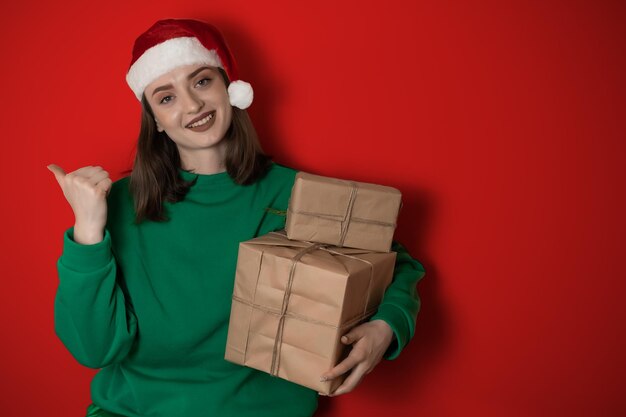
(293,300)
(342,213)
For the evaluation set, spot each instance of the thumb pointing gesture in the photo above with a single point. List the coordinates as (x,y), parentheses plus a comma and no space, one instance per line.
(58,172)
(85,190)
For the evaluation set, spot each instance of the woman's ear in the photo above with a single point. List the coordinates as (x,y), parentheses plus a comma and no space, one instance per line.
(158,126)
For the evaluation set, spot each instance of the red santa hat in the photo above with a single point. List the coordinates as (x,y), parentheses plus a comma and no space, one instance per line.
(172,43)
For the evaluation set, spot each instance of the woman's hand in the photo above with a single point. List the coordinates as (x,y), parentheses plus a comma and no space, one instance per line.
(86,190)
(370,342)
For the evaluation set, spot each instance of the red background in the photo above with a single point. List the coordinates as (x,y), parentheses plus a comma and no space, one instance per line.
(501,122)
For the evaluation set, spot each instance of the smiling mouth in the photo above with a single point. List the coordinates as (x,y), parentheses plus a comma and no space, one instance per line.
(206,118)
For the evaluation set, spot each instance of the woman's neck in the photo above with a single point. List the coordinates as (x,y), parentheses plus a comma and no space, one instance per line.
(204,161)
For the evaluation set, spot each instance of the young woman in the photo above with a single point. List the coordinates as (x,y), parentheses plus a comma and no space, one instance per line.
(147,270)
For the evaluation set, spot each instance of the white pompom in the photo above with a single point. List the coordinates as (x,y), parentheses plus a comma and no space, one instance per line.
(240,94)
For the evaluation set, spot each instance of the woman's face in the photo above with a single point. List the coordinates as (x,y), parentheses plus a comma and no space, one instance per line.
(191,105)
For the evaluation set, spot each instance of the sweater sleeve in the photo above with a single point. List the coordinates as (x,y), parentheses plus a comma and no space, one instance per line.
(401,302)
(91,315)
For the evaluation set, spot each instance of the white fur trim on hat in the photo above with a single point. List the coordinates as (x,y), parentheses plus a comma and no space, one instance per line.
(164,57)
(240,94)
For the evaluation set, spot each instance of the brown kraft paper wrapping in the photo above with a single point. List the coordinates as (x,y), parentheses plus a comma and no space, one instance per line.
(293,300)
(342,213)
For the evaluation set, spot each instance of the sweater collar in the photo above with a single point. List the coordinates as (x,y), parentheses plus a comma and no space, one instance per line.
(219,178)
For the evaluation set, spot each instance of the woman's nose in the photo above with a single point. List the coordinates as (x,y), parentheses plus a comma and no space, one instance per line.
(192,102)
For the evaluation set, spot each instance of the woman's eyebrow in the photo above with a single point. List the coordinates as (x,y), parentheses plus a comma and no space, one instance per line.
(196,72)
(190,76)
(163,87)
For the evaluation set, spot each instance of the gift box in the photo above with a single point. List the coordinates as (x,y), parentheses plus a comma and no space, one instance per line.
(342,213)
(293,300)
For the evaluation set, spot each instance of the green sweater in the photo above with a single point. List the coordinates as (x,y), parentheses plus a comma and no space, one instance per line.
(150,303)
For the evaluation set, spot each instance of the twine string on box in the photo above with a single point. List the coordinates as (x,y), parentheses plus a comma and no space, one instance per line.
(286,296)
(283,309)
(345,223)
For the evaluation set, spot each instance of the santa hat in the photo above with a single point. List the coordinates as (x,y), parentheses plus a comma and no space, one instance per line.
(172,43)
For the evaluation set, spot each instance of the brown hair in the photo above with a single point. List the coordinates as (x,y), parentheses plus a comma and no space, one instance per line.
(155,178)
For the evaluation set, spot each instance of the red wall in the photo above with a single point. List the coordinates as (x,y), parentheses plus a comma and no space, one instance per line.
(501,122)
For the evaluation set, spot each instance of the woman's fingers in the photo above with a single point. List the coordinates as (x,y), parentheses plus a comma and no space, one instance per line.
(355,334)
(105,185)
(100,179)
(351,382)
(369,342)
(98,176)
(357,353)
(344,366)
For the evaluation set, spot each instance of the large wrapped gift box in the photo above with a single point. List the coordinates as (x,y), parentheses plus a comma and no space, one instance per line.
(342,213)
(293,300)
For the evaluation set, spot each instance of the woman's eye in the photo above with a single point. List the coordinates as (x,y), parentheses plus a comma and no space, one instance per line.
(165,100)
(203,82)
